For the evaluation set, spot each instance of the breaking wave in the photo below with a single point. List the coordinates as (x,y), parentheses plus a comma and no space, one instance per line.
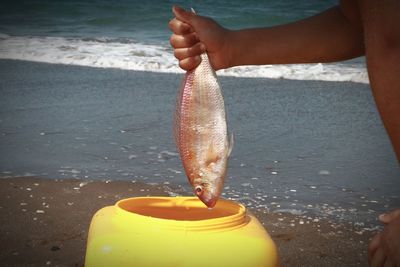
(125,53)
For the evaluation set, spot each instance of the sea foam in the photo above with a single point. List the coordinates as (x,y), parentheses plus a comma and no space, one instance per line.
(124,53)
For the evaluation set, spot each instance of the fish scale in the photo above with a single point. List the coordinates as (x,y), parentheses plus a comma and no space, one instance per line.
(200,131)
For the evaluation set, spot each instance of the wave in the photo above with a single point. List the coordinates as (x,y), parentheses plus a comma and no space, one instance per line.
(125,53)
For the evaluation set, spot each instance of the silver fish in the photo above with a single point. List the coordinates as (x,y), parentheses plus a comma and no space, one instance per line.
(200,132)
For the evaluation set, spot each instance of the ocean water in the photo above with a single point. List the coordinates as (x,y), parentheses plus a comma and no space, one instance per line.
(301,146)
(315,148)
(134,35)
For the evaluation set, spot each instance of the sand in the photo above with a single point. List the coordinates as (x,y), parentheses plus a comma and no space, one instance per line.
(306,143)
(318,145)
(44,222)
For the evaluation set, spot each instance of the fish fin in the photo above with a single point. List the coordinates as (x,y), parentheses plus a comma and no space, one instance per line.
(230,145)
(212,155)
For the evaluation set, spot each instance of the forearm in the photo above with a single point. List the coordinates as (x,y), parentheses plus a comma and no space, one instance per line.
(326,37)
(385,84)
(382,39)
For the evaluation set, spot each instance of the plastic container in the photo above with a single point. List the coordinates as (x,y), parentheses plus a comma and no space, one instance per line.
(177,231)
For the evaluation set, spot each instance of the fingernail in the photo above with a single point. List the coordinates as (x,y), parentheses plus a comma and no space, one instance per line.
(177,9)
(382,216)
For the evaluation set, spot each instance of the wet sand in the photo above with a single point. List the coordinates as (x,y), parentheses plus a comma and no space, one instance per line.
(299,145)
(44,222)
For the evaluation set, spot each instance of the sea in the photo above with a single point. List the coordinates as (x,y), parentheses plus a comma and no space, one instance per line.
(308,137)
(134,35)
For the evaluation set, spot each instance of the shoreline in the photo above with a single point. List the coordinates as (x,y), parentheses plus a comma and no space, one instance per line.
(88,53)
(299,144)
(45,222)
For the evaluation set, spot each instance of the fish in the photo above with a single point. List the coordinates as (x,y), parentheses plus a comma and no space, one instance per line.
(201,132)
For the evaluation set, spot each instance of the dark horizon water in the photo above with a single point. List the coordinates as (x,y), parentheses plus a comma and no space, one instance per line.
(300,146)
(134,35)
(144,21)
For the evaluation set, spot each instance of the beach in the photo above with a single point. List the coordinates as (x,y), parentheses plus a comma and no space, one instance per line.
(87,99)
(45,222)
(311,159)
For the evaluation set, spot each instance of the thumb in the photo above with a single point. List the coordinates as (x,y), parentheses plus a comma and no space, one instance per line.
(388,217)
(183,15)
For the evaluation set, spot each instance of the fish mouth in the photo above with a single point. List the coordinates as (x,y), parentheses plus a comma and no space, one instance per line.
(210,203)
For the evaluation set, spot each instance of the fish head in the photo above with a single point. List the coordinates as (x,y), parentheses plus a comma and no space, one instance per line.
(208,189)
(206,194)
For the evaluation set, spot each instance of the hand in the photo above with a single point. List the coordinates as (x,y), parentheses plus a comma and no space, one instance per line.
(193,35)
(384,248)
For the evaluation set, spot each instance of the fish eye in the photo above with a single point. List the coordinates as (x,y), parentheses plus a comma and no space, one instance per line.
(198,189)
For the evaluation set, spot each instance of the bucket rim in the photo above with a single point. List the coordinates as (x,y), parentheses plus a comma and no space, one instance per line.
(226,214)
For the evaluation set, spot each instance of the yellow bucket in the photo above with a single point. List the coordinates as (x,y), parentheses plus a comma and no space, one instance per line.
(177,231)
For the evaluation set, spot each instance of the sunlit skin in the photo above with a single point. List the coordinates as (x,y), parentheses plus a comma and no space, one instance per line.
(351,29)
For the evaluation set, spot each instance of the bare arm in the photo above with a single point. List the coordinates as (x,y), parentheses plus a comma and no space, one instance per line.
(329,36)
(336,34)
(381,26)
(326,37)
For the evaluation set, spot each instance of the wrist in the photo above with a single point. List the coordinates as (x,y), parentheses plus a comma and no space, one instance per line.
(231,51)
(240,50)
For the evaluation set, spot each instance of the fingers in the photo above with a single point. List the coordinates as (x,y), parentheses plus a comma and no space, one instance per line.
(196,50)
(183,15)
(389,263)
(388,217)
(187,48)
(384,247)
(373,246)
(183,41)
(390,241)
(179,27)
(190,63)
(378,259)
